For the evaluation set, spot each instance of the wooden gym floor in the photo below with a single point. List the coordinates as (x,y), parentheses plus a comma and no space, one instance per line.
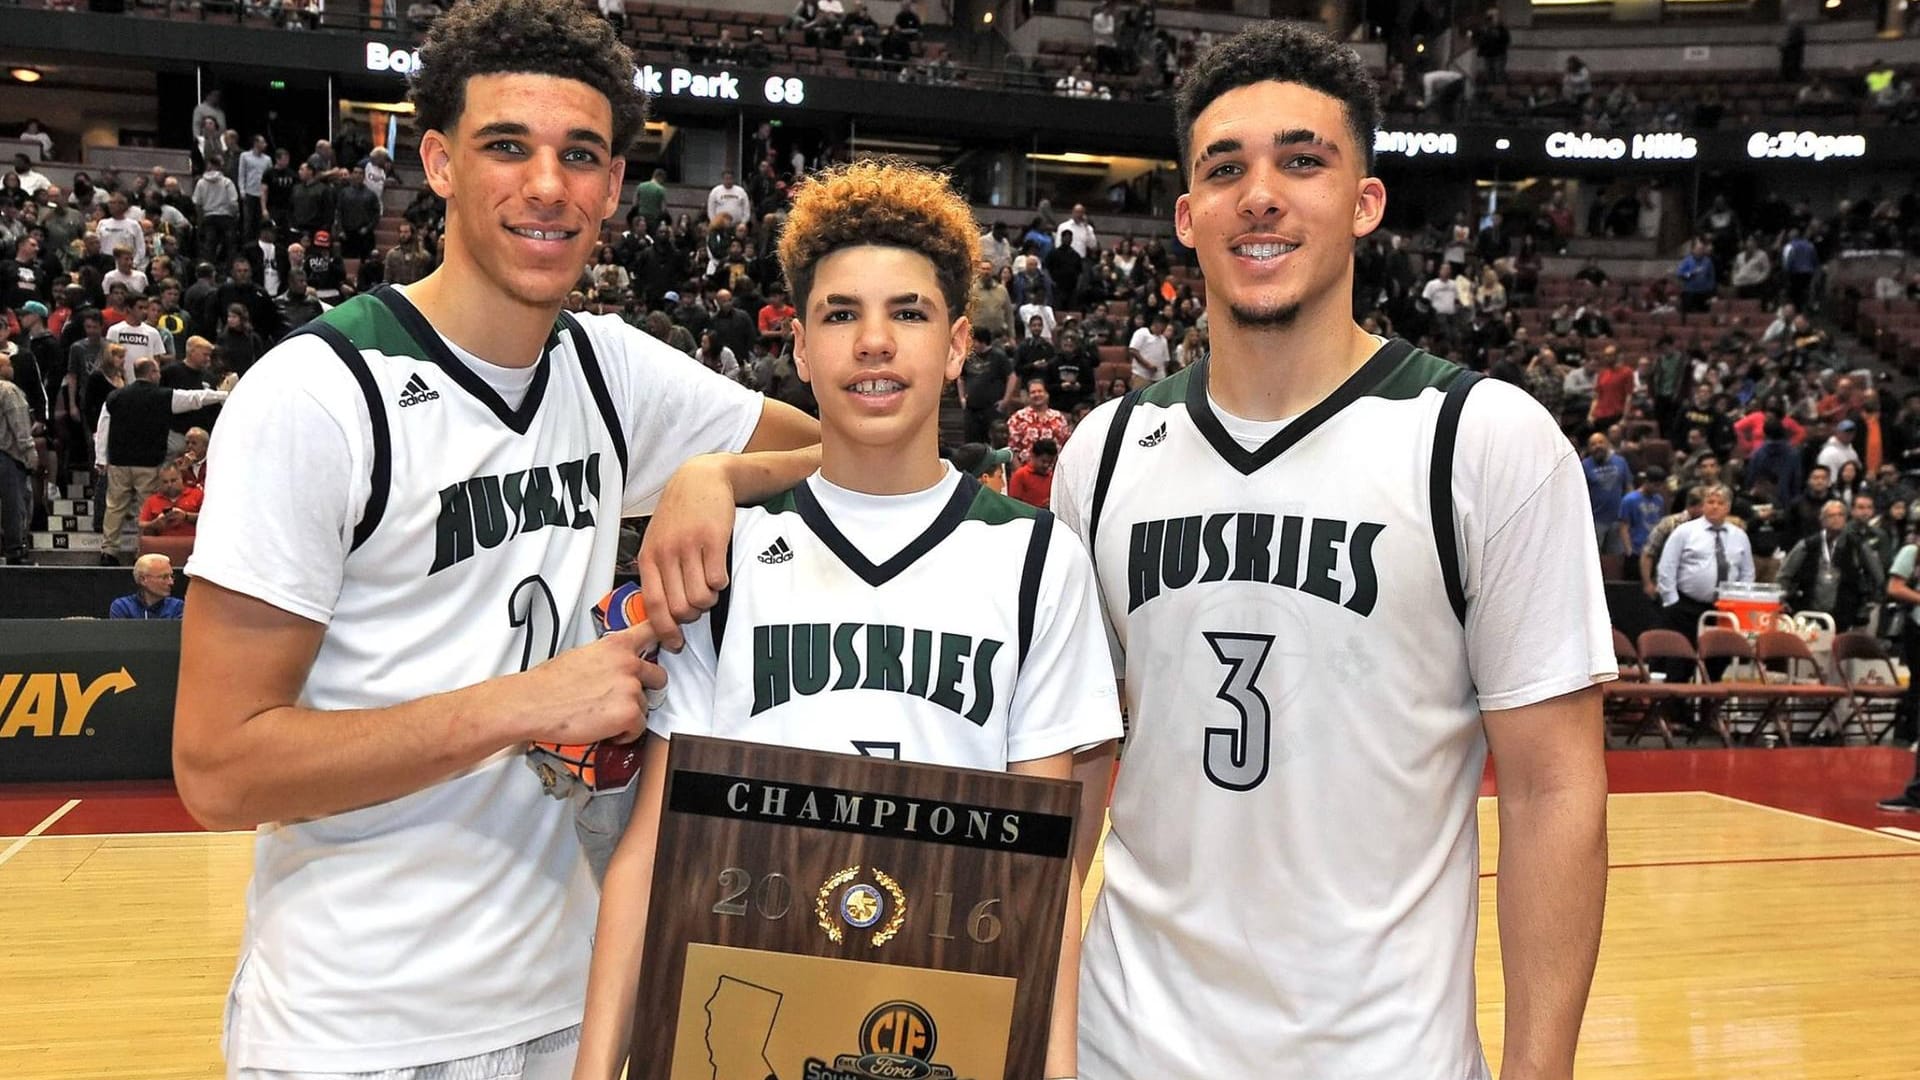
(1762,922)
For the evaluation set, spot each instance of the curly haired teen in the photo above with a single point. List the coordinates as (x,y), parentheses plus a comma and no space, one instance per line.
(879,256)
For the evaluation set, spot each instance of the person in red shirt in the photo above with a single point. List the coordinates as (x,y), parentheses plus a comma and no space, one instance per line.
(1032,483)
(1039,420)
(1611,389)
(174,509)
(1750,430)
(776,321)
(1839,403)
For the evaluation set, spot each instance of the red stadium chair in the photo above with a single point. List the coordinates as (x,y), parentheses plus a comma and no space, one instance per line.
(175,548)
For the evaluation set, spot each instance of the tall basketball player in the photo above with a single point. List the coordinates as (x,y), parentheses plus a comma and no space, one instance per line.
(894,549)
(1339,570)
(419,501)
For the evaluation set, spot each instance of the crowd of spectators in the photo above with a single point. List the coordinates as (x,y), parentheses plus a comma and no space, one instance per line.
(205,277)
(1045,304)
(196,277)
(1443,59)
(1130,55)
(1470,79)
(1713,377)
(120,282)
(1737,390)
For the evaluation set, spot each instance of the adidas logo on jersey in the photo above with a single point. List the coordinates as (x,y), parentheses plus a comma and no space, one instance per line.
(1156,436)
(777,552)
(416,392)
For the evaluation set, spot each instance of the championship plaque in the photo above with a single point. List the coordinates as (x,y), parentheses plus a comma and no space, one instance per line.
(835,917)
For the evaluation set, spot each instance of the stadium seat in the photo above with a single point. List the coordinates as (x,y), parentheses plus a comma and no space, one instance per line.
(175,548)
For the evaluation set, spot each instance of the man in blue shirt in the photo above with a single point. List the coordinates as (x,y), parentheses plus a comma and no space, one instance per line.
(1641,510)
(1698,280)
(1608,481)
(152,597)
(1799,261)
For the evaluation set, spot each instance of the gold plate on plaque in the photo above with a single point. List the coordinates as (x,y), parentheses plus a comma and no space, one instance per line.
(746,1014)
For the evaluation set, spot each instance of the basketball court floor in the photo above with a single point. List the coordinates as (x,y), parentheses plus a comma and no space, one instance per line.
(1762,921)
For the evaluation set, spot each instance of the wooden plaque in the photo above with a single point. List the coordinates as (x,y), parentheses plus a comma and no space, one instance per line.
(946,889)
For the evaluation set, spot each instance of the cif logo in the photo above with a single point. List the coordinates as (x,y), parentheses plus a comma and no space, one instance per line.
(897,1041)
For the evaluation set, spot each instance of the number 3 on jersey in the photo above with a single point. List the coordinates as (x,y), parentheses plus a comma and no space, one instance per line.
(1236,757)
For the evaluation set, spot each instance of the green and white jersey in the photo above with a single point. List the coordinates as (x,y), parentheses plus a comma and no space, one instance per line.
(448,521)
(1309,627)
(952,626)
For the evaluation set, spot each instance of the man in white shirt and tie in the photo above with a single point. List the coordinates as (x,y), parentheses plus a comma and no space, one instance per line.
(1699,556)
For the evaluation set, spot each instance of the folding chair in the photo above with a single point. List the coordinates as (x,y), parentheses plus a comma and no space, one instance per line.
(1875,694)
(1749,694)
(1646,702)
(1629,700)
(1628,657)
(1808,698)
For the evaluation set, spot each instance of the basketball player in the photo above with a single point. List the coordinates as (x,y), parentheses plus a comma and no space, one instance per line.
(879,257)
(416,504)
(1337,578)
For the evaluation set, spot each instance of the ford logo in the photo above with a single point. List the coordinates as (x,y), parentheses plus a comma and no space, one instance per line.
(893,1067)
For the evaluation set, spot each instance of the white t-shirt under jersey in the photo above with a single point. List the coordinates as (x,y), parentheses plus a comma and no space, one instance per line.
(1291,882)
(458,919)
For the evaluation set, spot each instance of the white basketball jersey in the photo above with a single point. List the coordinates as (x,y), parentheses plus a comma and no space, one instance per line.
(1291,880)
(976,645)
(457,919)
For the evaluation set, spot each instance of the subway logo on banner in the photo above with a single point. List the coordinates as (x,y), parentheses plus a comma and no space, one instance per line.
(50,703)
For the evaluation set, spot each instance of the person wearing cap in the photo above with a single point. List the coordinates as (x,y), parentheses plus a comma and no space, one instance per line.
(37,364)
(987,464)
(324,269)
(1838,449)
(1641,509)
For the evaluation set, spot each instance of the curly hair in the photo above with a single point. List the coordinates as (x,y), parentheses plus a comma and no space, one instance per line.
(1280,52)
(887,201)
(536,37)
